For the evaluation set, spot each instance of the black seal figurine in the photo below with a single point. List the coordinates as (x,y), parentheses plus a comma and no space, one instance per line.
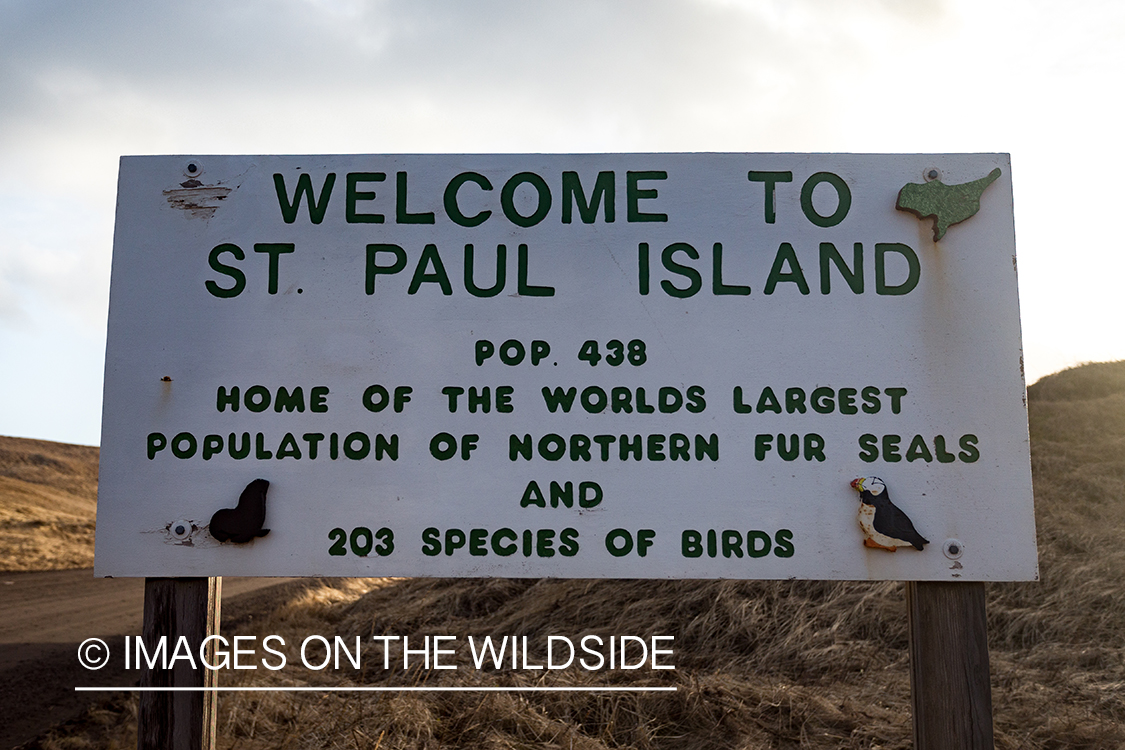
(243,523)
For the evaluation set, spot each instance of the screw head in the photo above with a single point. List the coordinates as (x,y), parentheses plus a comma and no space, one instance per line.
(931,174)
(193,168)
(953,548)
(180,529)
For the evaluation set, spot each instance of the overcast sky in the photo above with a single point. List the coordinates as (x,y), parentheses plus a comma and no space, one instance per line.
(83,83)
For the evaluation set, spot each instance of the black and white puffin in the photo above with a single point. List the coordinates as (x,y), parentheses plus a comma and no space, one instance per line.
(884,524)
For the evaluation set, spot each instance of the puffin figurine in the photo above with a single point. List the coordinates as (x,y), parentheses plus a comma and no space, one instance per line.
(884,525)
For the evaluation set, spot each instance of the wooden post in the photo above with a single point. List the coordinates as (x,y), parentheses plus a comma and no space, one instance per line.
(950,689)
(177,607)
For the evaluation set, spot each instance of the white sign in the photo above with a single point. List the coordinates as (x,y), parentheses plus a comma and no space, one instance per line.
(596,365)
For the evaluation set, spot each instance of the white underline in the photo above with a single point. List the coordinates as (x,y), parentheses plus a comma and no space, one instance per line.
(309,689)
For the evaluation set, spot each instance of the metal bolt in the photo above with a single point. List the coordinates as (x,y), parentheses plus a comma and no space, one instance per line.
(953,548)
(932,174)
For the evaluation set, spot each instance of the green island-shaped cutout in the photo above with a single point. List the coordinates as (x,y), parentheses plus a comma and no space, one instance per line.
(947,204)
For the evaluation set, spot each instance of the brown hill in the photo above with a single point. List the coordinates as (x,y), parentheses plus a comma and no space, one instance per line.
(48,497)
(759,664)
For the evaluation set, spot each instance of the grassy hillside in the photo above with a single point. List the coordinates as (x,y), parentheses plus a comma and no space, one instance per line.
(760,664)
(48,495)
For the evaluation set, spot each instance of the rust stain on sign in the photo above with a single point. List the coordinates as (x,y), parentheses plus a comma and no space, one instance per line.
(198,200)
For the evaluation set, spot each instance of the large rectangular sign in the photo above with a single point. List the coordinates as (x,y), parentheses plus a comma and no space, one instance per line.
(595,365)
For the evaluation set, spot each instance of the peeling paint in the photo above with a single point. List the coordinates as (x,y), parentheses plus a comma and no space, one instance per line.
(196,199)
(197,537)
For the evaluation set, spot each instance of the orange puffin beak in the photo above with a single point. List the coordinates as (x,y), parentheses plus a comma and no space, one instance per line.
(857,484)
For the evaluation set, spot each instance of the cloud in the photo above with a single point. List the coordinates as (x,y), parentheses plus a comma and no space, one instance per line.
(431,75)
(53,253)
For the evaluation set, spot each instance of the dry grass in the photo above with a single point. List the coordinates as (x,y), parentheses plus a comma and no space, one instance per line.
(760,664)
(48,497)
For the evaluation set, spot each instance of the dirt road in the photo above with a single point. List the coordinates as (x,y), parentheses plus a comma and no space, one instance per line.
(43,618)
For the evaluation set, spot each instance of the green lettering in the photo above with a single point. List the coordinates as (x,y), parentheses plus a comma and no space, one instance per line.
(707,446)
(783,543)
(241,451)
(843,199)
(786,256)
(431,542)
(231,271)
(430,257)
(223,399)
(522,287)
(402,216)
(501,549)
(289,400)
(943,456)
(767,401)
(501,272)
(212,445)
(871,402)
(869,448)
(691,543)
(451,207)
(853,276)
(304,188)
(969,451)
(739,406)
(890,448)
(275,250)
(288,447)
(634,194)
(795,400)
(913,274)
(758,543)
(533,496)
(919,450)
(588,211)
(518,446)
(770,179)
(508,193)
(353,195)
(559,397)
(695,281)
(184,445)
(642,268)
(156,443)
(896,395)
(374,269)
(717,286)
